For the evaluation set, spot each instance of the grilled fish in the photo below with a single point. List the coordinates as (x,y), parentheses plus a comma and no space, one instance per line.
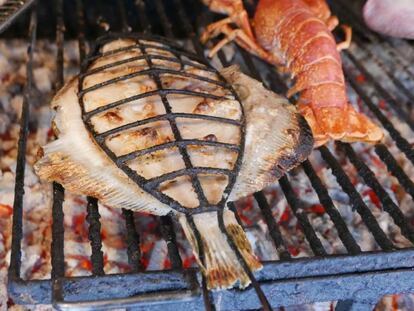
(148,127)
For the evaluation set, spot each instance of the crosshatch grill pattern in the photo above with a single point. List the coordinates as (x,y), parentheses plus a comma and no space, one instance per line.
(155,73)
(363,277)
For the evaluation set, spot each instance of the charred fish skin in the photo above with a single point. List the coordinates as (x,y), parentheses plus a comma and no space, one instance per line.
(116,142)
(277,137)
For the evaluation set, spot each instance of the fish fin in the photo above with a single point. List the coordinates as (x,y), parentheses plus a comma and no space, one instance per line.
(277,136)
(75,161)
(218,261)
(60,167)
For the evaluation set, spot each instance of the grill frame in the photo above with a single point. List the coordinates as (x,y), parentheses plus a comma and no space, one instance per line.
(11,10)
(280,283)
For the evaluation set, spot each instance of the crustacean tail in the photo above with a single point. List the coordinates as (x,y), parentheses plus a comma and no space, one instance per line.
(334,123)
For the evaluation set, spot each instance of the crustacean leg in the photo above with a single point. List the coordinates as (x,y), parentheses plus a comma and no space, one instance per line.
(243,35)
(237,35)
(235,10)
(332,22)
(348,37)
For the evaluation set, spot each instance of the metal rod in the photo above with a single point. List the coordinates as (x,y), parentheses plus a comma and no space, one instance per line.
(387,203)
(298,210)
(92,217)
(58,262)
(207,296)
(17,230)
(395,169)
(393,103)
(81,29)
(348,14)
(143,23)
(323,195)
(89,114)
(168,234)
(400,141)
(12,13)
(133,238)
(274,231)
(165,23)
(170,117)
(123,15)
(356,201)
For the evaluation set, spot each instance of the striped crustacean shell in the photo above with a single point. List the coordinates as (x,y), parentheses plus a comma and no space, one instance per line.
(149,127)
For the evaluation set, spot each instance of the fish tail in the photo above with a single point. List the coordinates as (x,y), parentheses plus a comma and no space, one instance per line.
(216,256)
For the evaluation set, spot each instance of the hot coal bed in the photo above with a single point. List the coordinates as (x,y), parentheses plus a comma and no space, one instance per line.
(338,228)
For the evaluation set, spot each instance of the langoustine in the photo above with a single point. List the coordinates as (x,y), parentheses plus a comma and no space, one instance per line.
(116,143)
(295,35)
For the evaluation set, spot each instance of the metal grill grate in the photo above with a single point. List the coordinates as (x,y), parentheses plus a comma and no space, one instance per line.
(10,10)
(359,276)
(155,73)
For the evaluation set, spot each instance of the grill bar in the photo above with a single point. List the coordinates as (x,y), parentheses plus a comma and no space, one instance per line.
(274,231)
(303,220)
(81,29)
(207,296)
(16,254)
(142,21)
(393,104)
(349,15)
(395,169)
(388,204)
(93,216)
(168,234)
(94,235)
(400,141)
(11,10)
(132,98)
(134,251)
(356,200)
(343,231)
(57,247)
